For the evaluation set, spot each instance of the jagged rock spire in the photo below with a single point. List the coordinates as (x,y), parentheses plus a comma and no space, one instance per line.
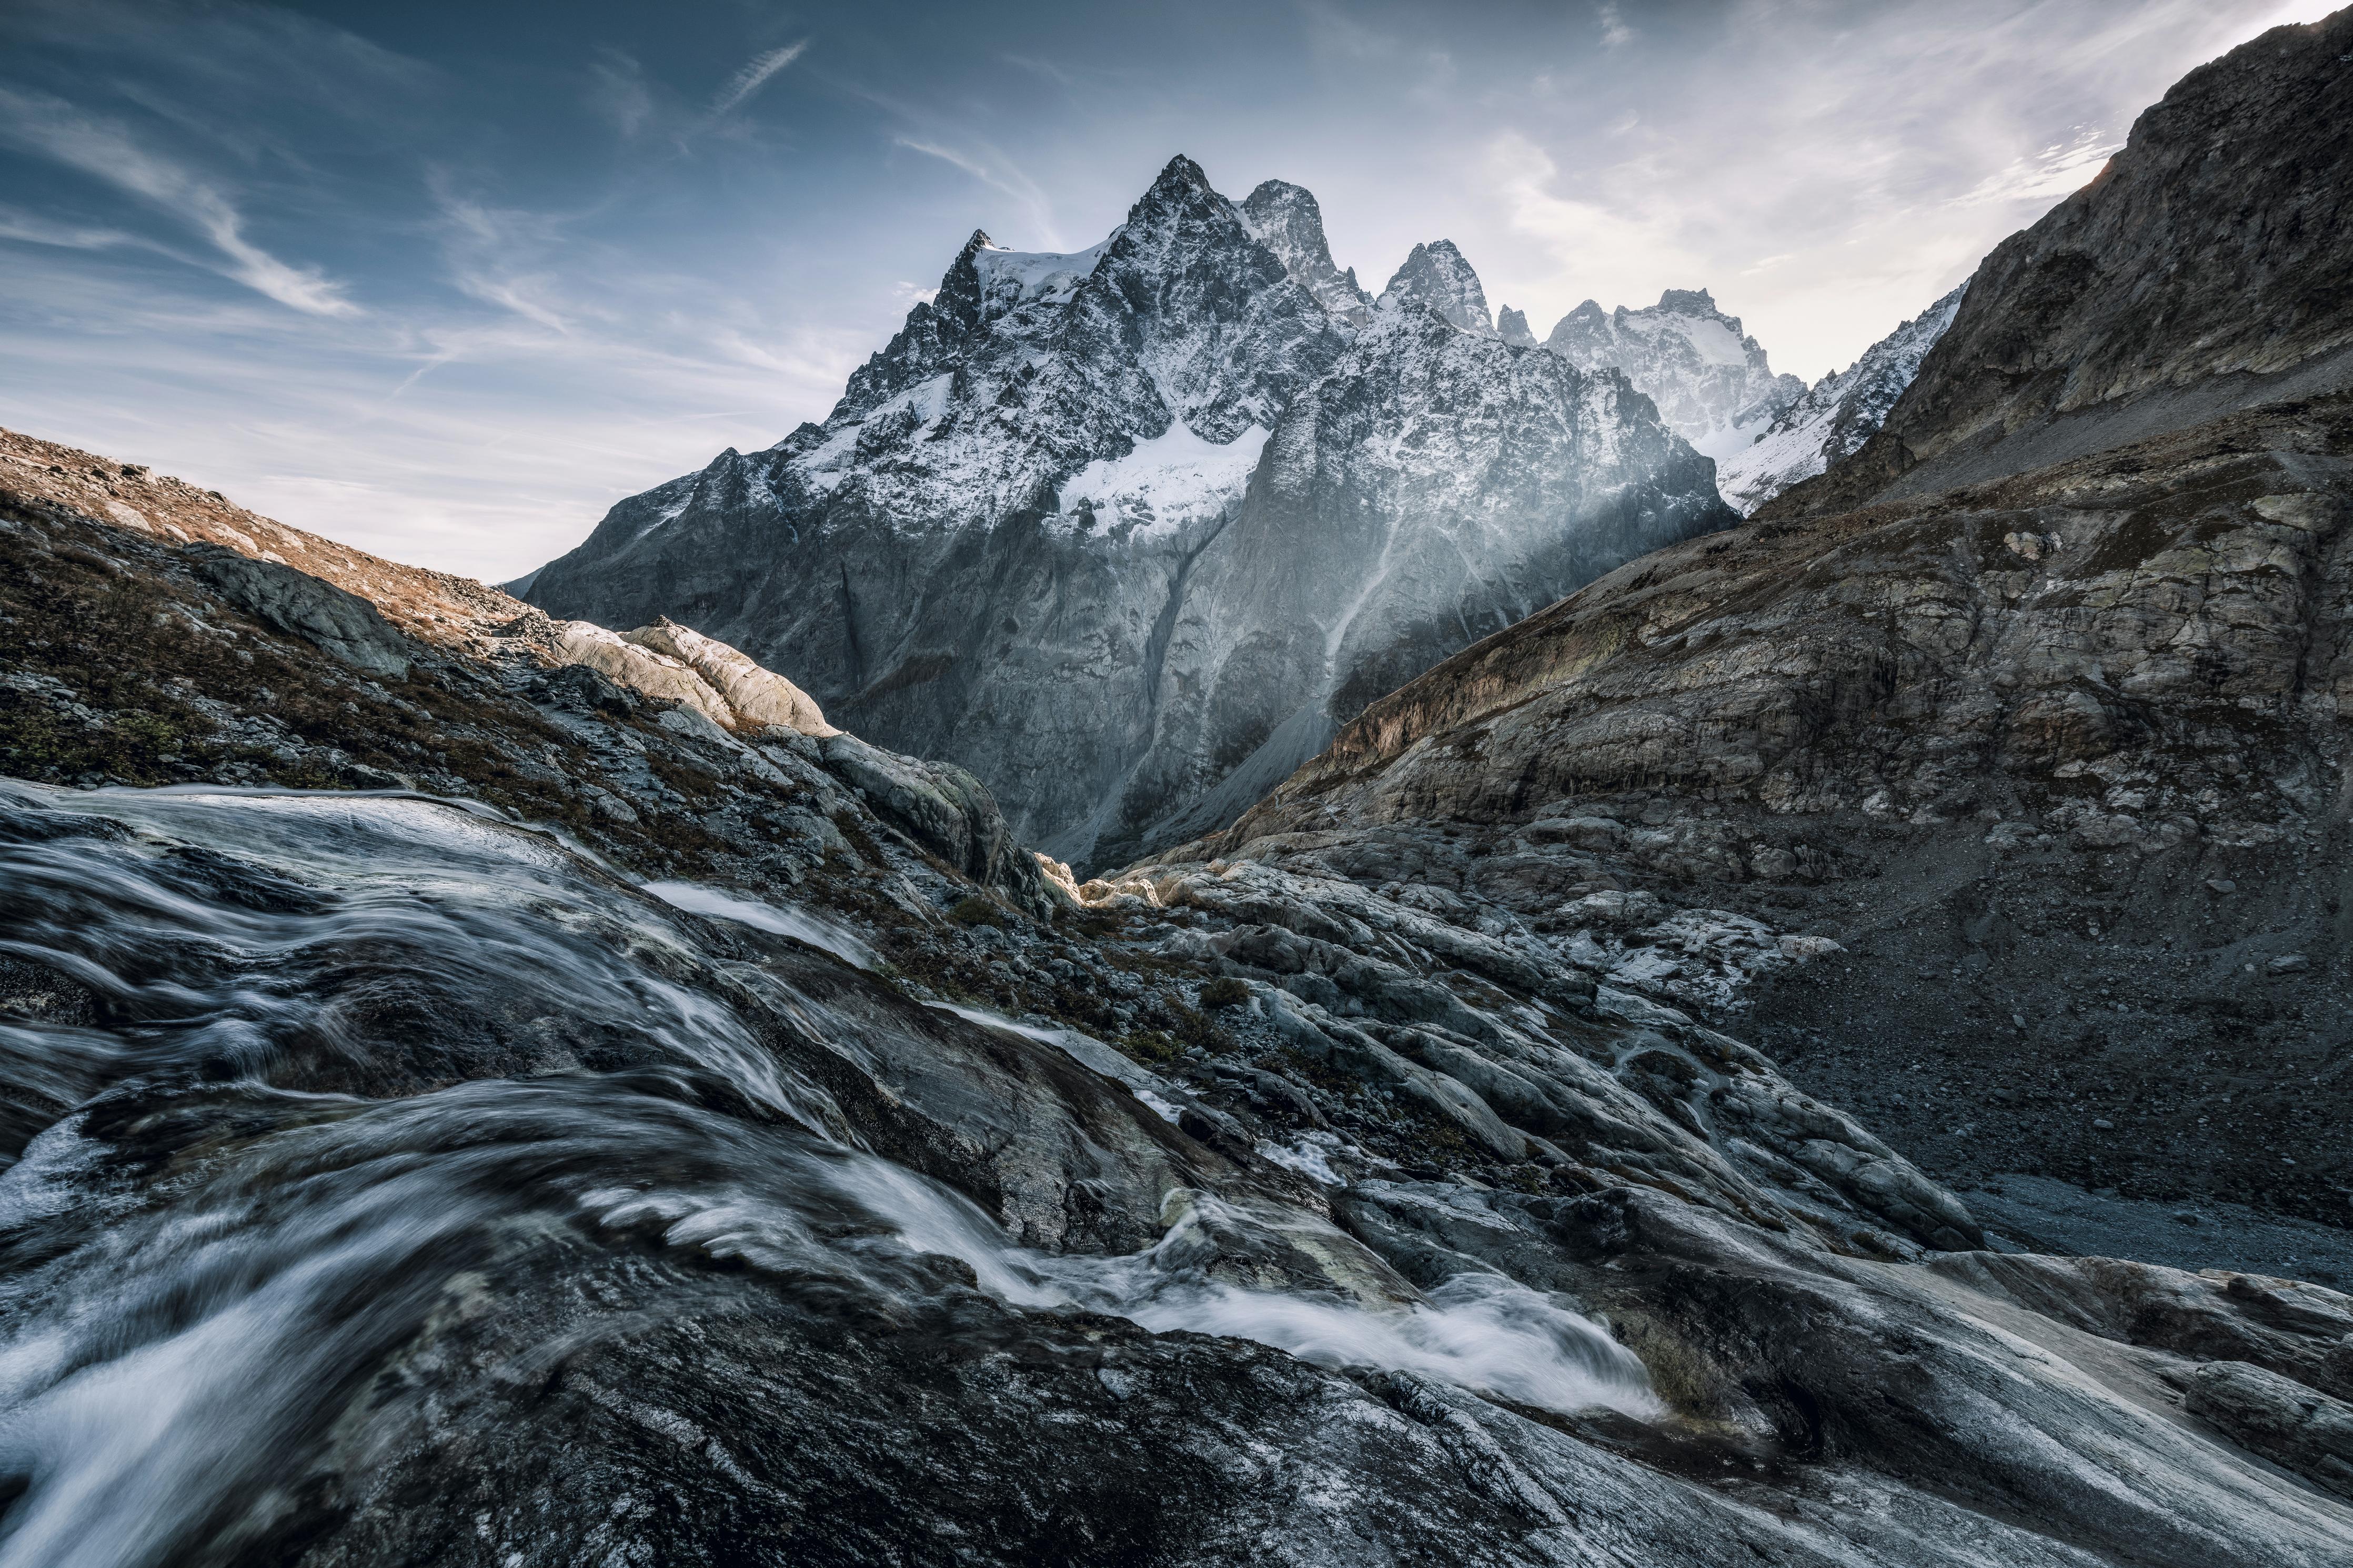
(958,299)
(1435,277)
(1286,219)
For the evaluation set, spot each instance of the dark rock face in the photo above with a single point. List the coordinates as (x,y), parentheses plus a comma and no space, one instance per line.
(2202,271)
(1287,221)
(2298,1428)
(341,624)
(1435,278)
(1026,542)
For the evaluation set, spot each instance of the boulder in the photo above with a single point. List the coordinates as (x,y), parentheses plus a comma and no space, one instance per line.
(295,602)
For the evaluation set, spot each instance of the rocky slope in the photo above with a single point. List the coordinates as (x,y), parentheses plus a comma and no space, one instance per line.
(2056,759)
(1058,531)
(2053,760)
(1837,415)
(678,1131)
(1711,381)
(2202,271)
(387,1178)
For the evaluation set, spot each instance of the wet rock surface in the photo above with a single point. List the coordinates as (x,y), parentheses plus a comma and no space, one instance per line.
(858,1187)
(790,1265)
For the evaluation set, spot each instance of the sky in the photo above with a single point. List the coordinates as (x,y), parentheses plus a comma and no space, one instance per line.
(444,281)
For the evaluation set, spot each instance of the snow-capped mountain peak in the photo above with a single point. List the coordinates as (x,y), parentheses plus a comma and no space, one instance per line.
(1287,221)
(1710,379)
(1513,328)
(1011,277)
(1124,528)
(1437,277)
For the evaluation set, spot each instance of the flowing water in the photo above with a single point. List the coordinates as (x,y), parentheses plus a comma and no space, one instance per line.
(348,1053)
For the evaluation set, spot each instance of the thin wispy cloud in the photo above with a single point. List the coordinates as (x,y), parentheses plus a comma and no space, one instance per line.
(617,89)
(30,228)
(998,175)
(754,75)
(494,255)
(108,151)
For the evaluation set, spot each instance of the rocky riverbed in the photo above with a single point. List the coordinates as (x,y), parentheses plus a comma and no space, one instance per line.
(562,1115)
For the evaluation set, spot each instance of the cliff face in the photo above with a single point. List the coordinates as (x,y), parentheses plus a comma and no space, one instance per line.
(2203,270)
(1287,221)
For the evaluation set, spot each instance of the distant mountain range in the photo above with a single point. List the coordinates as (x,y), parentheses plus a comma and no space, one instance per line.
(1130,531)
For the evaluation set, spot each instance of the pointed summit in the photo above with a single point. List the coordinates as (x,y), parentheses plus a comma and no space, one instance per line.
(1436,278)
(1286,219)
(1180,211)
(1513,328)
(1181,175)
(1587,327)
(958,299)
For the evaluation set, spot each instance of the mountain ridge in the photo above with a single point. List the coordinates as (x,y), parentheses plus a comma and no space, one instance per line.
(997,546)
(2121,315)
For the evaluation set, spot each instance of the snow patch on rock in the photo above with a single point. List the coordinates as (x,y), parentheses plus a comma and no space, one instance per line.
(1175,478)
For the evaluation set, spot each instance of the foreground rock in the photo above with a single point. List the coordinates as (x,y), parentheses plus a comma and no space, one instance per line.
(1223,1212)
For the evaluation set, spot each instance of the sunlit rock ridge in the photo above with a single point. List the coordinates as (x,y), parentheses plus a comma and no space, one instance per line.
(1130,531)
